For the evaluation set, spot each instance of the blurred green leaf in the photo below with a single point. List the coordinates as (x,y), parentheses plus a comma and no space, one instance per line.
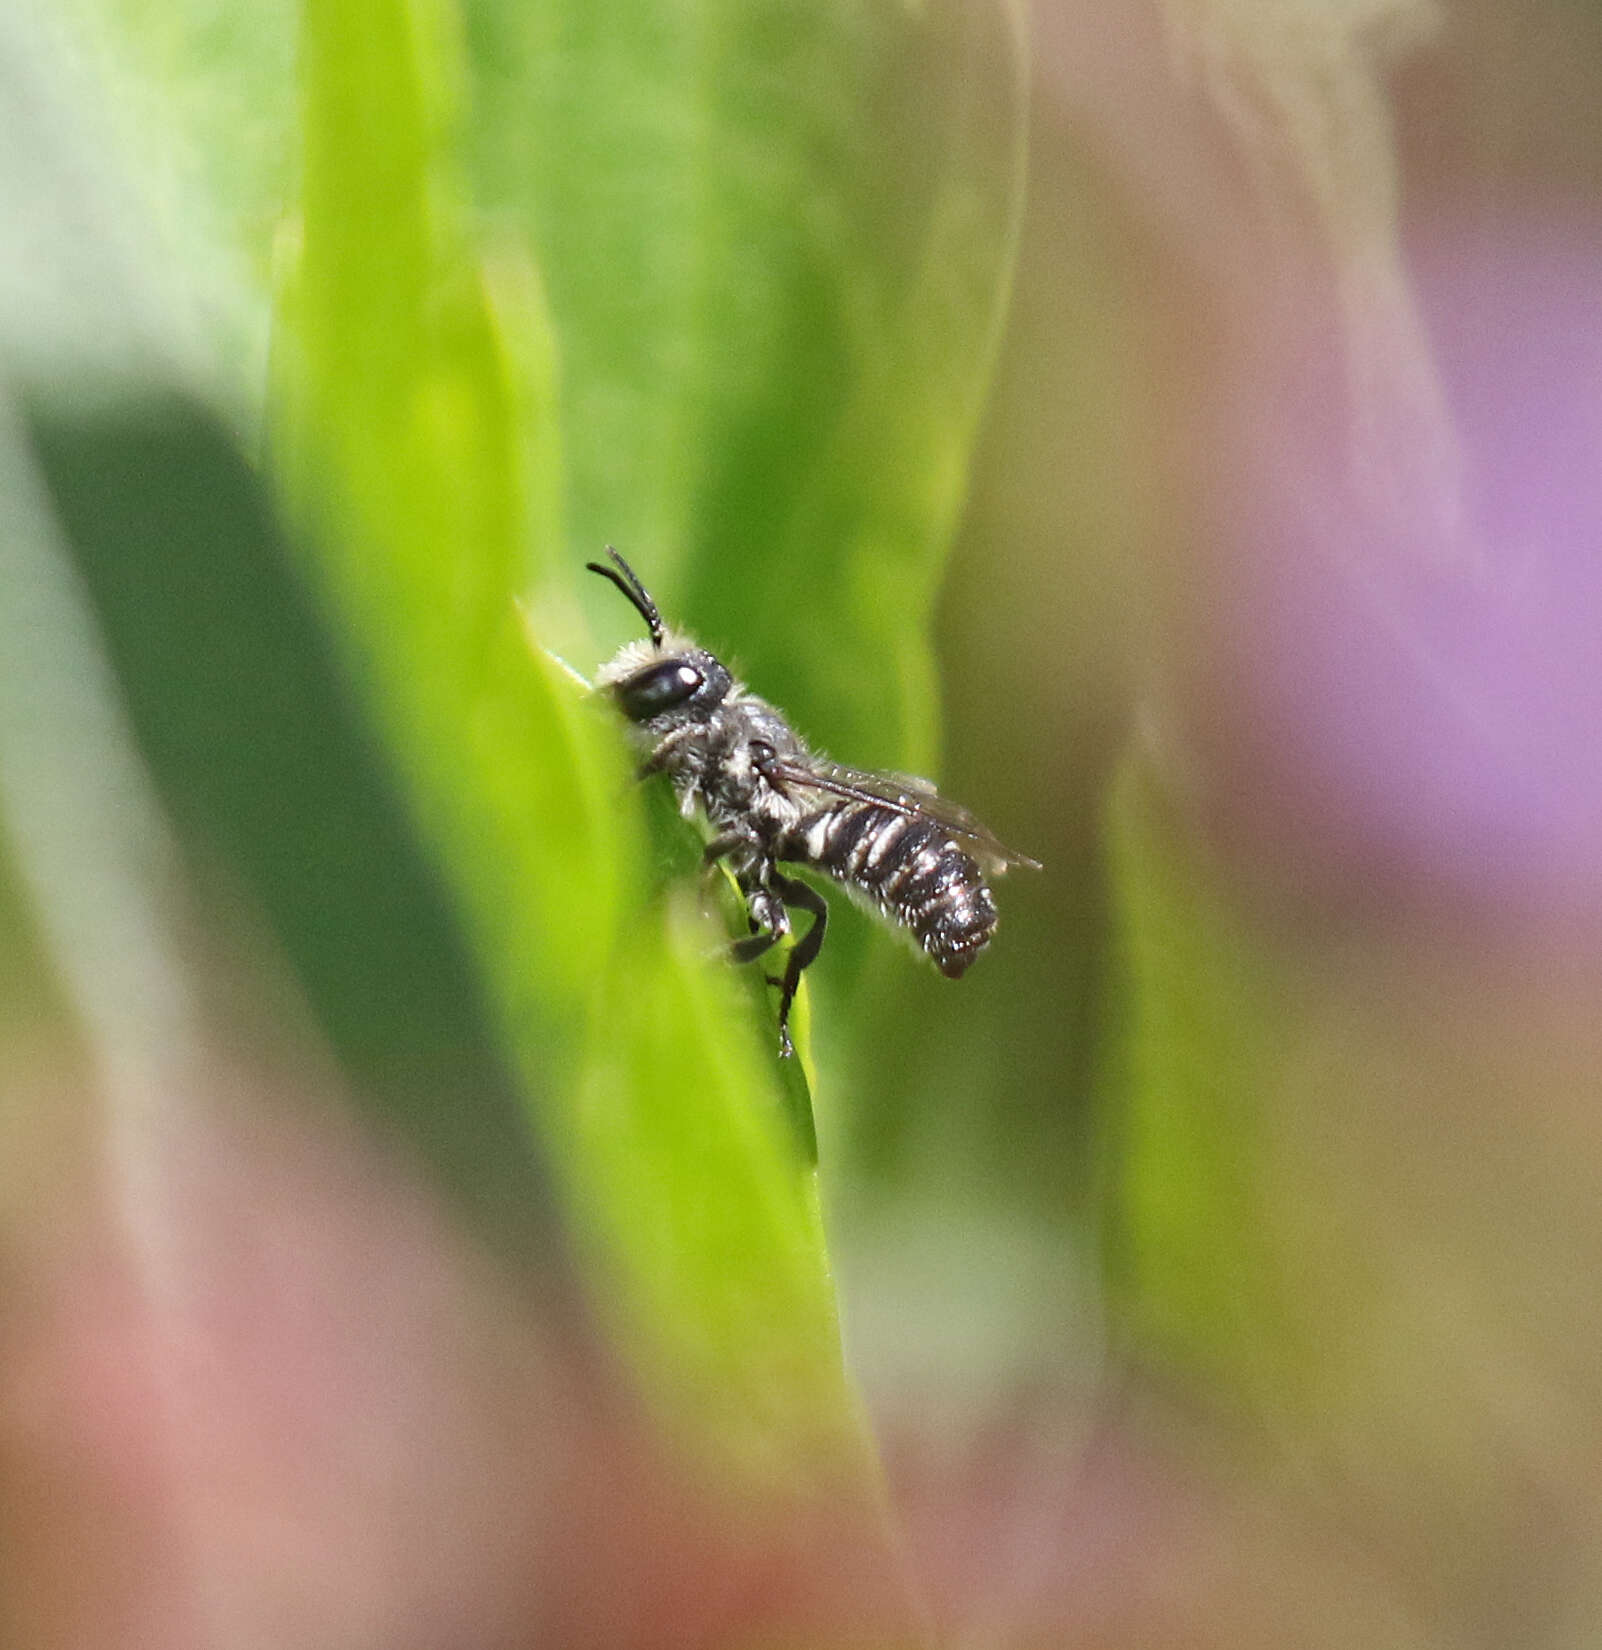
(266,770)
(413,393)
(196,101)
(1197,1237)
(778,242)
(774,246)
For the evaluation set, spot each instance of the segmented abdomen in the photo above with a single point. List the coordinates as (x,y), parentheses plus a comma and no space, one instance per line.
(909,867)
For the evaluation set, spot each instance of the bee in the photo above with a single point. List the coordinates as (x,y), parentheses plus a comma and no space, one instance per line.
(768,801)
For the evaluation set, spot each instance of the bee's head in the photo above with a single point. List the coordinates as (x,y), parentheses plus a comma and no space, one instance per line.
(666,682)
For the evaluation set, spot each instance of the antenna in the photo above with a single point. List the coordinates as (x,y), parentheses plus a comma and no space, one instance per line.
(627,580)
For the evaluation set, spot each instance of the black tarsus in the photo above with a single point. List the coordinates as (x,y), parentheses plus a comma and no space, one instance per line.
(720,847)
(628,581)
(758,945)
(798,896)
(803,953)
(760,942)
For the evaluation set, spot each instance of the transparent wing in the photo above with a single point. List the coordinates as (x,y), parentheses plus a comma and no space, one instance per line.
(906,795)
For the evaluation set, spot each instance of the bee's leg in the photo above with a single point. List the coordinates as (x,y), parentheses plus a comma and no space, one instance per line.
(770,922)
(720,847)
(718,850)
(658,759)
(805,951)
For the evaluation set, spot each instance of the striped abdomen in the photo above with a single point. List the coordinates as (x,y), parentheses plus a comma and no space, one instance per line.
(910,867)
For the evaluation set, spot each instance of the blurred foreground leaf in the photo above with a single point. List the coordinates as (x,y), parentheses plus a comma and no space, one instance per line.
(778,244)
(1198,1245)
(774,250)
(416,395)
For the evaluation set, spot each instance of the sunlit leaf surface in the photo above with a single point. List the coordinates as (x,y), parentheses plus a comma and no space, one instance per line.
(421,420)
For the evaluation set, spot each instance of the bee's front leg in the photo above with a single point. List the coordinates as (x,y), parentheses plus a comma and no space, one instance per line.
(770,922)
(767,896)
(795,892)
(717,850)
(731,845)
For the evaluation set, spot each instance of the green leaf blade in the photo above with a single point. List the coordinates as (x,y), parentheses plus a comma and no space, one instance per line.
(413,427)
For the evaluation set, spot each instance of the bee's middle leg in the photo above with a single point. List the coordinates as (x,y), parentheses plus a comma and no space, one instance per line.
(716,851)
(805,951)
(770,922)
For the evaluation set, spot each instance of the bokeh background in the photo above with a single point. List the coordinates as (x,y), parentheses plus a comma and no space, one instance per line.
(1175,426)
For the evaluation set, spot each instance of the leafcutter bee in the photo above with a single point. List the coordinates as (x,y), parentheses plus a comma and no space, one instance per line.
(768,801)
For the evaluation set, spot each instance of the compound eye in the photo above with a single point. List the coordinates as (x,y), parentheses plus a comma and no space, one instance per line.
(662,687)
